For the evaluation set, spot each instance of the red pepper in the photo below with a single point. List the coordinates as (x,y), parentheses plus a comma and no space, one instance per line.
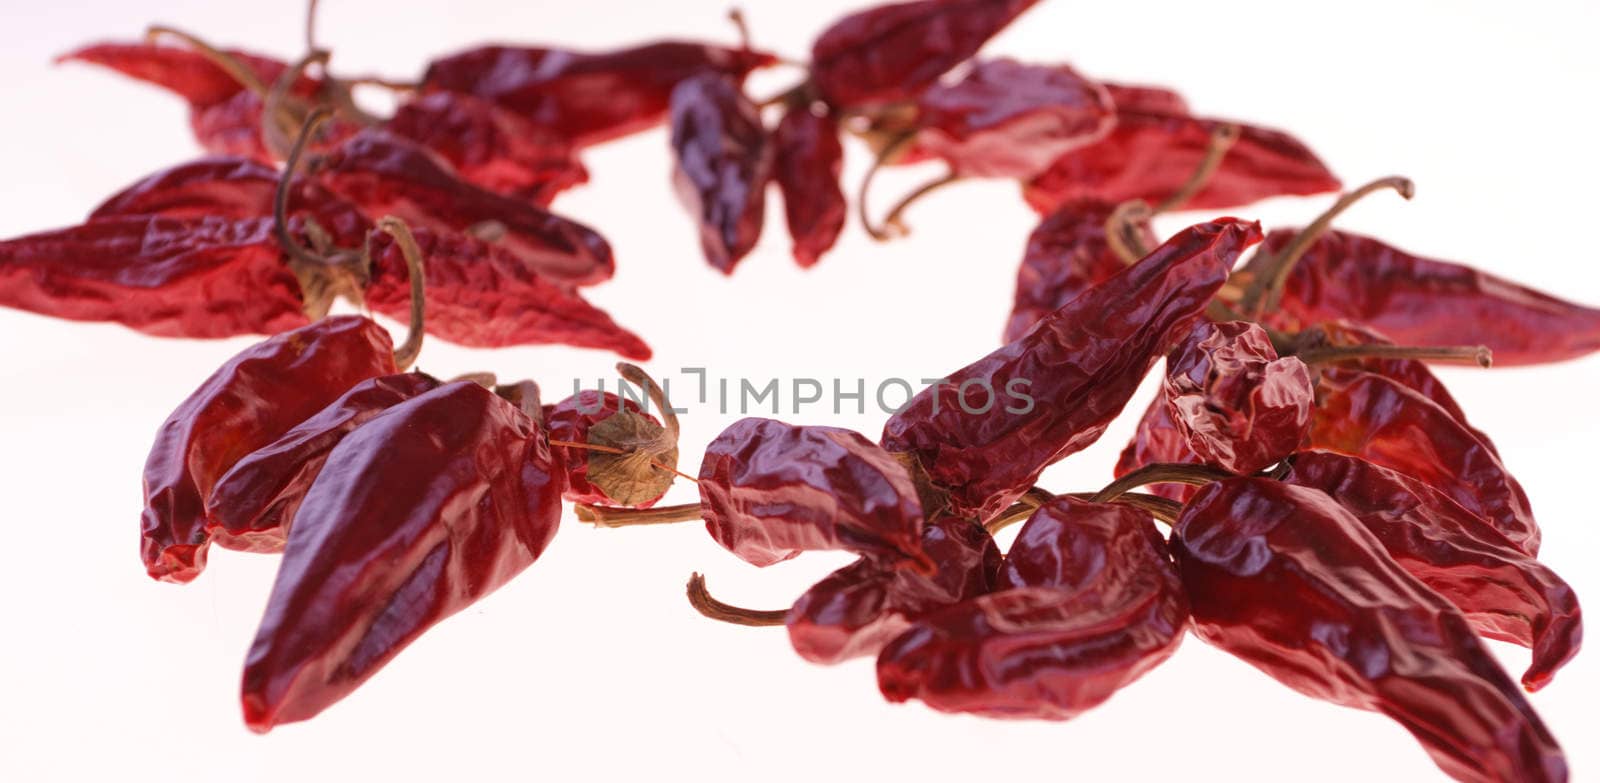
(770,490)
(1067,254)
(423,510)
(572,421)
(248,403)
(1156,146)
(1387,423)
(1290,582)
(1422,301)
(856,610)
(807,160)
(1505,593)
(891,52)
(1077,368)
(1087,602)
(491,147)
(1242,407)
(385,174)
(251,505)
(722,161)
(587,97)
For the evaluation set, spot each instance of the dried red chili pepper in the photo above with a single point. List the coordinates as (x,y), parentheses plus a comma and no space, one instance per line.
(1286,579)
(1505,593)
(385,174)
(1077,376)
(587,97)
(426,508)
(807,160)
(1087,602)
(1155,147)
(891,52)
(1067,254)
(770,490)
(489,146)
(1242,407)
(615,452)
(1422,301)
(250,507)
(1387,423)
(722,161)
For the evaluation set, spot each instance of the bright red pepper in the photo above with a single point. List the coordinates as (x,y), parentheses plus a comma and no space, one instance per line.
(1290,582)
(421,511)
(491,147)
(1067,254)
(807,160)
(1242,407)
(722,161)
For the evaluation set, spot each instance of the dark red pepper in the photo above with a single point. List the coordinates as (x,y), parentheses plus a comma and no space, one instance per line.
(722,161)
(491,147)
(1068,253)
(807,160)
(1241,406)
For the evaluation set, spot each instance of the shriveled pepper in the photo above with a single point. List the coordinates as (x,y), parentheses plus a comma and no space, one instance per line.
(418,513)
(1287,580)
(490,146)
(807,160)
(1242,407)
(722,161)
(1068,253)
(979,442)
(1505,593)
(1087,602)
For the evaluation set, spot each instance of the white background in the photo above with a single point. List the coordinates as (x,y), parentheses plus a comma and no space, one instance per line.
(591,665)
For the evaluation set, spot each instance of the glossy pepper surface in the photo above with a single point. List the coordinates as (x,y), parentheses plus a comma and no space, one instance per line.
(1088,601)
(421,511)
(248,403)
(1287,580)
(807,161)
(1242,407)
(1079,366)
(1067,254)
(722,161)
(491,147)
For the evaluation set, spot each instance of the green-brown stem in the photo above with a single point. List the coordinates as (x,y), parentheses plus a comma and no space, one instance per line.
(1222,139)
(279,110)
(229,64)
(703,603)
(1122,230)
(1160,473)
(1453,354)
(611,516)
(406,354)
(889,152)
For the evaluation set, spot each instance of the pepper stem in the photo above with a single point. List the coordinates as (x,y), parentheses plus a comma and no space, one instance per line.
(889,152)
(636,375)
(406,354)
(572,444)
(1222,139)
(228,63)
(278,110)
(311,25)
(1020,510)
(703,603)
(1122,226)
(736,16)
(1160,473)
(1122,230)
(280,201)
(1266,288)
(610,516)
(1453,354)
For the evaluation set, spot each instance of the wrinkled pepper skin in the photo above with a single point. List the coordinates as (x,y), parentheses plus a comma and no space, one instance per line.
(388,175)
(1505,593)
(483,296)
(1158,438)
(1287,580)
(1067,254)
(770,490)
(196,277)
(722,161)
(423,510)
(251,506)
(1079,366)
(892,52)
(1242,407)
(1010,120)
(490,147)
(570,420)
(248,403)
(1153,151)
(807,161)
(1421,301)
(1088,601)
(1387,423)
(587,97)
(857,609)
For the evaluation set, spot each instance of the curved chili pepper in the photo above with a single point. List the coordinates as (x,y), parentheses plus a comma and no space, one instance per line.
(250,507)
(1087,602)
(891,52)
(1242,407)
(587,97)
(770,490)
(1155,148)
(1290,582)
(1067,254)
(484,296)
(1422,301)
(421,511)
(1008,119)
(248,403)
(807,160)
(1505,593)
(489,146)
(1387,423)
(1159,439)
(857,609)
(570,421)
(385,174)
(1077,368)
(722,161)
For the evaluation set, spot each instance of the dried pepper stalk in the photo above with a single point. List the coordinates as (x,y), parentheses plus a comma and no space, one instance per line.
(1286,579)
(722,161)
(807,160)
(1241,407)
(1159,440)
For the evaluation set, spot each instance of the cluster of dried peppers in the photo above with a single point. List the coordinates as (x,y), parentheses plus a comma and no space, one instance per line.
(1334,518)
